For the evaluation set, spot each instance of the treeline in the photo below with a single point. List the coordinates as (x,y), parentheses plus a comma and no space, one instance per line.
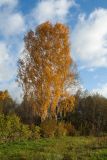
(19,122)
(90,114)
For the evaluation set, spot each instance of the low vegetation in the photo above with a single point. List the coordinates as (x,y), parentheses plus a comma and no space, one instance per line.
(65,148)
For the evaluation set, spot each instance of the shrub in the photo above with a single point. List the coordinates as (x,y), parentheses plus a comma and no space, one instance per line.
(71,131)
(60,130)
(12,127)
(3,133)
(35,132)
(48,128)
(25,132)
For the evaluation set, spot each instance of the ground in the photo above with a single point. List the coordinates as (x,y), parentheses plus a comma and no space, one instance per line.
(64,148)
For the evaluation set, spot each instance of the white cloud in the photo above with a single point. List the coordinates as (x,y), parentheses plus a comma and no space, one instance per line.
(89,39)
(3,52)
(14,90)
(52,10)
(101,90)
(6,63)
(8,2)
(11,22)
(8,71)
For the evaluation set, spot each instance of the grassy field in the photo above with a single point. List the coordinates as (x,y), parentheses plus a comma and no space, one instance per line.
(65,148)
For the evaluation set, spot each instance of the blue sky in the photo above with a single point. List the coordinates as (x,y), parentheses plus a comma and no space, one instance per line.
(87,20)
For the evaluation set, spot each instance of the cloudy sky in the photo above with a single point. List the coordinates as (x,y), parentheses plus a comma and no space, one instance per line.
(87,20)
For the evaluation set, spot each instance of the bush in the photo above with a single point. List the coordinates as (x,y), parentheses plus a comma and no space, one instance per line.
(25,132)
(71,131)
(3,133)
(35,132)
(48,128)
(61,130)
(12,129)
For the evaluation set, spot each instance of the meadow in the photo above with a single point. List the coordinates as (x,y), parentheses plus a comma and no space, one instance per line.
(63,148)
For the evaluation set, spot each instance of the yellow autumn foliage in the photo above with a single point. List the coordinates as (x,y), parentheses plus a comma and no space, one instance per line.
(44,70)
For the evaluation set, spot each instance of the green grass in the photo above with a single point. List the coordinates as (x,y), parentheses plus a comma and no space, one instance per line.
(65,148)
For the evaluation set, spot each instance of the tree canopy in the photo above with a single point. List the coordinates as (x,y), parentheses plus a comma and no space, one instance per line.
(45,69)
